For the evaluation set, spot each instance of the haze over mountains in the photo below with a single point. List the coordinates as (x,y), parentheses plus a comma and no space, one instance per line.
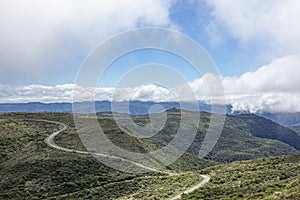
(137,108)
(131,107)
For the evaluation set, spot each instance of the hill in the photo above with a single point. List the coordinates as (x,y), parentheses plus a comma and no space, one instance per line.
(285,119)
(32,170)
(243,137)
(266,178)
(295,128)
(263,128)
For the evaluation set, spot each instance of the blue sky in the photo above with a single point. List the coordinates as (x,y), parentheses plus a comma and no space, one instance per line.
(255,45)
(232,56)
(147,56)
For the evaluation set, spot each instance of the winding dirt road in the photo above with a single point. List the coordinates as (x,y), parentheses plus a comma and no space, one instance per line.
(192,189)
(50,142)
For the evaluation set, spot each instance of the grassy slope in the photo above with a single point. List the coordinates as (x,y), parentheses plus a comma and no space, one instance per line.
(266,178)
(187,162)
(35,171)
(244,137)
(264,128)
(32,170)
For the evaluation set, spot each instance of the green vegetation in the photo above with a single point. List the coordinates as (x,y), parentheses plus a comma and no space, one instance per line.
(266,178)
(264,128)
(32,170)
(16,132)
(29,169)
(35,171)
(165,186)
(244,137)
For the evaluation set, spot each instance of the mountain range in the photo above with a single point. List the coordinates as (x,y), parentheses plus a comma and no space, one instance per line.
(137,108)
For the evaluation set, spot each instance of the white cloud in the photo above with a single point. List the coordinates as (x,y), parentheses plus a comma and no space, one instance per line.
(269,102)
(274,23)
(64,93)
(281,75)
(152,92)
(38,37)
(272,27)
(32,93)
(271,88)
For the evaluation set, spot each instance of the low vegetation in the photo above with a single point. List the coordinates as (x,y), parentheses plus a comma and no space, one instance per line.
(243,137)
(32,170)
(266,178)
(29,169)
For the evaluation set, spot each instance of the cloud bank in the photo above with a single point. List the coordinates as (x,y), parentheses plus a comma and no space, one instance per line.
(272,88)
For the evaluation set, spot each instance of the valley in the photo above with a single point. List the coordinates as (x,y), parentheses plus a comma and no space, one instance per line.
(62,169)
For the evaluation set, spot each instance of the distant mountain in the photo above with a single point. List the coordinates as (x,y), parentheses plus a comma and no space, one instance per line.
(136,108)
(131,107)
(295,128)
(285,119)
(35,107)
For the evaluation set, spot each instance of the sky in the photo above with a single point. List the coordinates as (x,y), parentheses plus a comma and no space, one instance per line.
(254,44)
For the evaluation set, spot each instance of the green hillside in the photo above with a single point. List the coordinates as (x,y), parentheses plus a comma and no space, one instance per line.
(243,137)
(249,136)
(32,170)
(264,128)
(266,178)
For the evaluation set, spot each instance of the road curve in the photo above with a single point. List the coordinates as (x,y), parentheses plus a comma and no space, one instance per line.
(50,142)
(192,189)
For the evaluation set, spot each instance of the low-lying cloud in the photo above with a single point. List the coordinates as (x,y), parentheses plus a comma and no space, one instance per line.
(271,88)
